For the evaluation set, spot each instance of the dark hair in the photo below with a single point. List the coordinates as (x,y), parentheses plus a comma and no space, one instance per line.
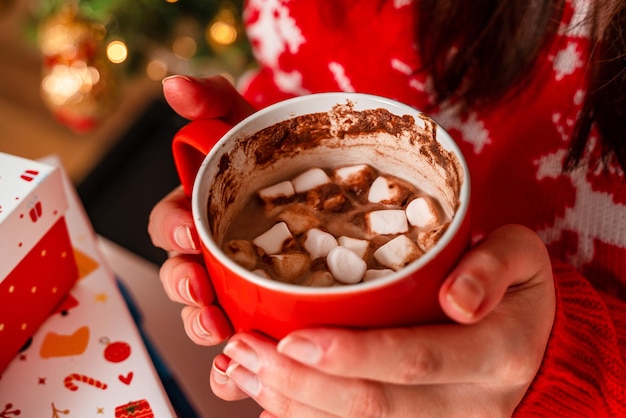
(503,38)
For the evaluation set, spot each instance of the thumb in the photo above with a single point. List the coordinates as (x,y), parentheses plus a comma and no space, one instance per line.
(205,98)
(512,255)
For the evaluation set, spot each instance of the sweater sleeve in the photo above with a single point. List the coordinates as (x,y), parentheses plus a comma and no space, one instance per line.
(259,88)
(584,372)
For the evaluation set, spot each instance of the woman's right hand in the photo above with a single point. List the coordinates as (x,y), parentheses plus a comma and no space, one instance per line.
(171,226)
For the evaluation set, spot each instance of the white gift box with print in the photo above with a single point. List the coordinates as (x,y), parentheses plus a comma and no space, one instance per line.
(88,359)
(37,265)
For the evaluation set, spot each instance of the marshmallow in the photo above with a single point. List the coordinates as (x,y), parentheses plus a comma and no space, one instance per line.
(333,198)
(279,193)
(345,265)
(358,246)
(289,266)
(242,252)
(274,239)
(318,243)
(357,178)
(386,222)
(388,191)
(373,274)
(328,197)
(351,174)
(319,278)
(309,180)
(427,239)
(397,253)
(299,218)
(421,213)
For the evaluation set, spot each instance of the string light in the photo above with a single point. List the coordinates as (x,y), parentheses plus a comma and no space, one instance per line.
(117,52)
(222,31)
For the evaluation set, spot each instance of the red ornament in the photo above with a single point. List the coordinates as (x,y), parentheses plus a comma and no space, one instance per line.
(117,351)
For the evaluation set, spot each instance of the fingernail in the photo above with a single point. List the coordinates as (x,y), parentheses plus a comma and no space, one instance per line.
(466,294)
(184,290)
(300,349)
(184,238)
(178,77)
(199,329)
(247,381)
(219,374)
(243,354)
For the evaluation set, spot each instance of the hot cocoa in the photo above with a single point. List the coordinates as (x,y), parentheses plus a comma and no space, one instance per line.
(324,227)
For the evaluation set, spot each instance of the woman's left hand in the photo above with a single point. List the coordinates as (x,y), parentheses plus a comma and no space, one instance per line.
(501,297)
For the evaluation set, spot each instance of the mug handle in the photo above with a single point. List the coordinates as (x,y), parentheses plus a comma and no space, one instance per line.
(191,144)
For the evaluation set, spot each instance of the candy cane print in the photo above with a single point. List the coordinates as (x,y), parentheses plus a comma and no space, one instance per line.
(69,381)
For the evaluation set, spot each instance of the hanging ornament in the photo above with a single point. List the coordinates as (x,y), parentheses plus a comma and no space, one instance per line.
(117,351)
(78,84)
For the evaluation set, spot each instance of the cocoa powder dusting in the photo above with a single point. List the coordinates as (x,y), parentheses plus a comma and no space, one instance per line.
(224,164)
(301,132)
(375,120)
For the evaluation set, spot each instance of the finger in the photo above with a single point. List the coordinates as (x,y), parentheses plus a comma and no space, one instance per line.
(276,404)
(208,98)
(497,348)
(206,325)
(268,377)
(512,255)
(421,355)
(221,384)
(185,280)
(171,226)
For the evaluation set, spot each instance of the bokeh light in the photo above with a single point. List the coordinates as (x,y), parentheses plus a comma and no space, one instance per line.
(184,47)
(156,69)
(222,31)
(117,52)
(65,83)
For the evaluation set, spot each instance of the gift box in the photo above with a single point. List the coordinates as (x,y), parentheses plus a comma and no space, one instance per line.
(88,359)
(37,263)
(136,409)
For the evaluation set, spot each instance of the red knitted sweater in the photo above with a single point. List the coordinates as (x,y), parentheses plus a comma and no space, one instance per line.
(515,152)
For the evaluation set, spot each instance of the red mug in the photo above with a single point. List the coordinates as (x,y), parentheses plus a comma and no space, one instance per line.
(221,168)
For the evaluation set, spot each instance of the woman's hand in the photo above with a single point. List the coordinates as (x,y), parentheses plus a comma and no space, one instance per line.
(501,297)
(171,227)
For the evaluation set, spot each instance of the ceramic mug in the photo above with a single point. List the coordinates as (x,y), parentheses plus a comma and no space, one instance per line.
(222,166)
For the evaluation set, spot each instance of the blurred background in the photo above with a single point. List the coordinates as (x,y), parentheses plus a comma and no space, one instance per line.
(81,79)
